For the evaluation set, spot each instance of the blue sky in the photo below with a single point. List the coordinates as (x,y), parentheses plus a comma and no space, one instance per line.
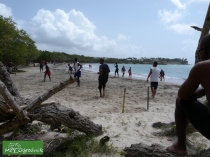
(111,28)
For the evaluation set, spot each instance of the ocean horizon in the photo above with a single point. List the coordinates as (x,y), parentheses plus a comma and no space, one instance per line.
(174,73)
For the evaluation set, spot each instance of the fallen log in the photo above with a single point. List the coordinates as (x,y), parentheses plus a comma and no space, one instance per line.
(156,150)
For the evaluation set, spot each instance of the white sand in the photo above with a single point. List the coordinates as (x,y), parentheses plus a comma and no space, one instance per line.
(131,127)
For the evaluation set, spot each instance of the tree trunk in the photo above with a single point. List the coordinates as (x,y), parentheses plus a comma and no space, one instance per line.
(54,113)
(204,31)
(5,78)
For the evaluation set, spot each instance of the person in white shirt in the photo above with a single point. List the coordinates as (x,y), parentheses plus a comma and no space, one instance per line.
(77,68)
(154,77)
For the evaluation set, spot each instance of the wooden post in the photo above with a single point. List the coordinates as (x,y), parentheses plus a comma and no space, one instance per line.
(123,106)
(148,98)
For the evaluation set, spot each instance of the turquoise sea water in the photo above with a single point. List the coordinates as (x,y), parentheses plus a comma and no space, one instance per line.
(173,73)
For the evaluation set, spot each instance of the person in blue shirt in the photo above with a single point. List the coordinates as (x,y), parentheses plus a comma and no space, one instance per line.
(162,73)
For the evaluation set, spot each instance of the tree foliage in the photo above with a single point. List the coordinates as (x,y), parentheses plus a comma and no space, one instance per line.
(15,44)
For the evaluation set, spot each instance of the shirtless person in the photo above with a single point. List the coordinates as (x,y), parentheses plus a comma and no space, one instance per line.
(116,70)
(103,76)
(129,72)
(188,108)
(123,71)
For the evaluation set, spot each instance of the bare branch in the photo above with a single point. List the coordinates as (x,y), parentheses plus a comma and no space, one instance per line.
(196,28)
(11,102)
(49,93)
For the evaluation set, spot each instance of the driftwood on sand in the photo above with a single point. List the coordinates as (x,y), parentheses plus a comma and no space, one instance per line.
(156,150)
(16,111)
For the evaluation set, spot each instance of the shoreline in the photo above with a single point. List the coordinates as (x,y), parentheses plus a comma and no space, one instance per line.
(166,81)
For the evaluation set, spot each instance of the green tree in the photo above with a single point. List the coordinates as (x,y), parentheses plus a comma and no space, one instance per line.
(15,44)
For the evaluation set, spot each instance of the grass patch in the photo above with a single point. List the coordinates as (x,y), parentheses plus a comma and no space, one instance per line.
(87,146)
(118,135)
(138,124)
(200,146)
(123,123)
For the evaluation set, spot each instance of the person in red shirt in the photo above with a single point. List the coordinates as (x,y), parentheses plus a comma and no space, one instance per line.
(47,72)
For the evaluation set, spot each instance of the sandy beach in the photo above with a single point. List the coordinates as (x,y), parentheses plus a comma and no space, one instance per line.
(131,127)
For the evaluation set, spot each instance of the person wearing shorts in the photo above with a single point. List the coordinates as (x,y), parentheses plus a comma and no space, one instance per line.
(77,68)
(103,77)
(70,69)
(188,108)
(47,72)
(123,71)
(154,77)
(162,74)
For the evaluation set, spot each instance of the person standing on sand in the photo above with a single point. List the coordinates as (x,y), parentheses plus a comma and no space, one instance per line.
(77,68)
(154,76)
(162,73)
(116,70)
(47,72)
(188,108)
(41,66)
(123,71)
(103,76)
(129,72)
(70,69)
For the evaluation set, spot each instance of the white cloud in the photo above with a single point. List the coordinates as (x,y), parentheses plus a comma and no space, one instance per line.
(179,4)
(122,37)
(5,11)
(182,28)
(185,3)
(197,1)
(168,16)
(72,32)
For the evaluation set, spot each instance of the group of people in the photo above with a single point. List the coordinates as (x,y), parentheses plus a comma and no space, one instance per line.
(122,70)
(77,69)
(188,108)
